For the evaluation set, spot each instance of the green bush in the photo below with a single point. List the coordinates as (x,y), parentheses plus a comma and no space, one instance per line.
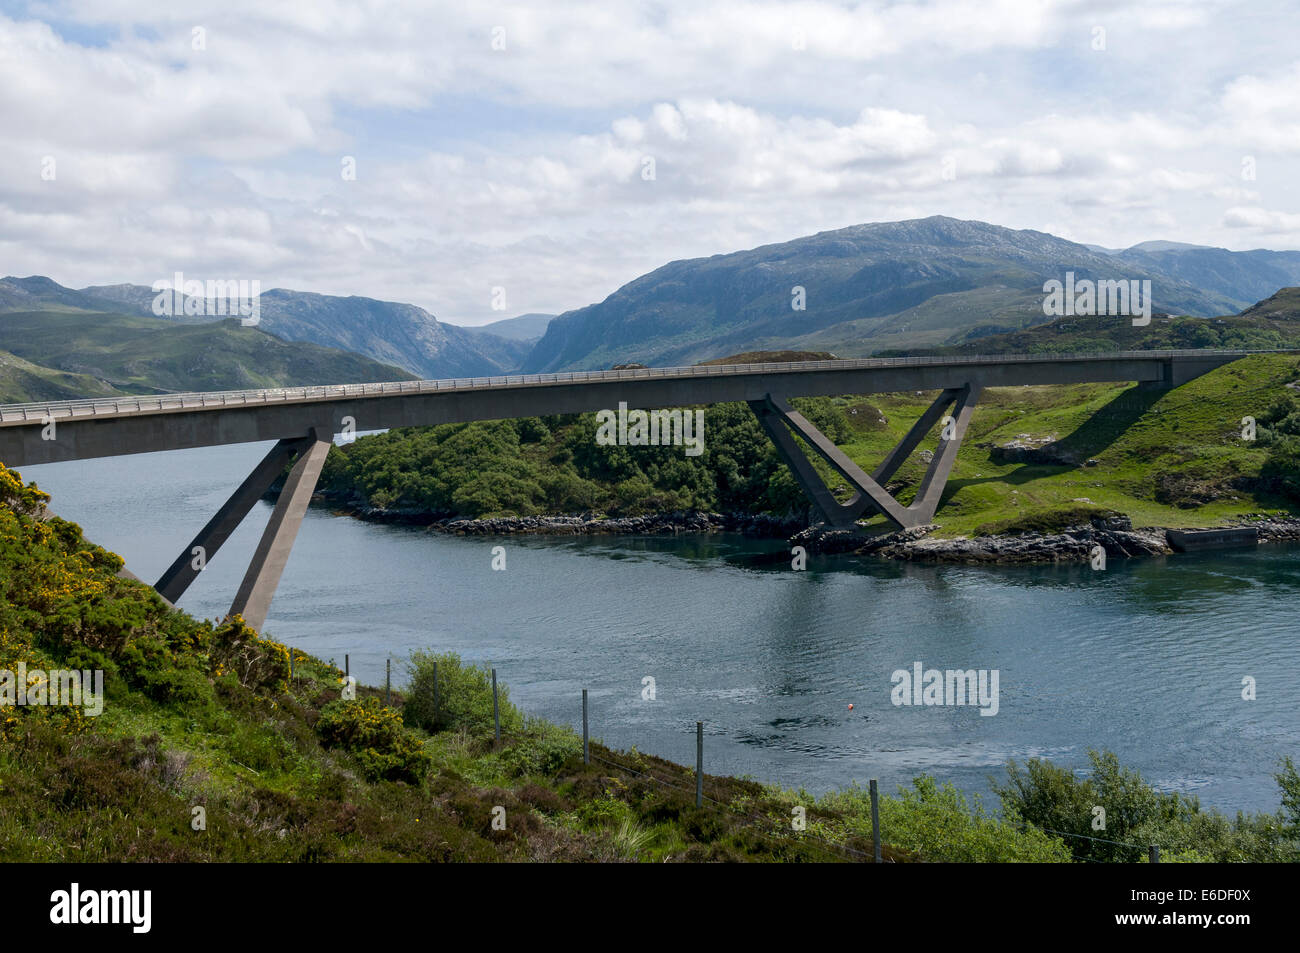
(936,823)
(386,750)
(464,696)
(1136,815)
(543,749)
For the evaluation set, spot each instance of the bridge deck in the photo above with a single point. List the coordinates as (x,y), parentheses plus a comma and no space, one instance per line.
(48,432)
(26,413)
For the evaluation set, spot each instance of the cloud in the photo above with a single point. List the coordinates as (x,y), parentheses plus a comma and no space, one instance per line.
(599,140)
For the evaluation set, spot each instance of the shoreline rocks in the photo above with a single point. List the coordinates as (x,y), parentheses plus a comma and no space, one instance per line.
(1116,535)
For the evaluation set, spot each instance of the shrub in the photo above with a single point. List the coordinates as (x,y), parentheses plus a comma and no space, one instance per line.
(1137,815)
(464,696)
(542,750)
(258,663)
(936,823)
(386,750)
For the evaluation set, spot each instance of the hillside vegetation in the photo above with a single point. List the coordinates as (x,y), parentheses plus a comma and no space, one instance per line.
(1273,323)
(213,745)
(73,354)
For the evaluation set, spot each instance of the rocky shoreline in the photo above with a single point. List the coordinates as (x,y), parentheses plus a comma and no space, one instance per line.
(1076,544)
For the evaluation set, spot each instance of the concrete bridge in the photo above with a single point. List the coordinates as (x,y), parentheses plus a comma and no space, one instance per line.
(304,420)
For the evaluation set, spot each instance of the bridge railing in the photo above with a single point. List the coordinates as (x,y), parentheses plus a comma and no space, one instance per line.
(160,403)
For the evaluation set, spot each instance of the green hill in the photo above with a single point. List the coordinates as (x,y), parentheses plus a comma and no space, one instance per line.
(1271,323)
(69,354)
(22,381)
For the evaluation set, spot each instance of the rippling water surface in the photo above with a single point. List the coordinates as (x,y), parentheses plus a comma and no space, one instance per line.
(1146,658)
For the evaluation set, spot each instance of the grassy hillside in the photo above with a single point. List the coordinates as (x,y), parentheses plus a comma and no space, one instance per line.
(208,748)
(1164,458)
(1272,323)
(147,355)
(22,381)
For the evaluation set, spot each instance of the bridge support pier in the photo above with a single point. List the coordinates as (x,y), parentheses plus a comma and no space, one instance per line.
(253,600)
(254,597)
(173,583)
(781,422)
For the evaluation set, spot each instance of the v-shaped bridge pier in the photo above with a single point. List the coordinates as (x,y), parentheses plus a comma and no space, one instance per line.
(781,423)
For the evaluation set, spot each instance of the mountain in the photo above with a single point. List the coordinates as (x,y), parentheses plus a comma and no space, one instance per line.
(38,293)
(389,332)
(74,354)
(1243,276)
(526,327)
(867,287)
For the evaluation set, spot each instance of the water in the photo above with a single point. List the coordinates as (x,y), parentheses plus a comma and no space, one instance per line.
(1145,659)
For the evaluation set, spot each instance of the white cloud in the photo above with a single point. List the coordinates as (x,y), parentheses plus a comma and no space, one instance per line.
(526,166)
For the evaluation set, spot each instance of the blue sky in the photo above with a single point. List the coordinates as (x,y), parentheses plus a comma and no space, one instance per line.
(145,138)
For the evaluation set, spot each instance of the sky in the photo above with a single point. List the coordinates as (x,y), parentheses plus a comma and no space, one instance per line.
(483,160)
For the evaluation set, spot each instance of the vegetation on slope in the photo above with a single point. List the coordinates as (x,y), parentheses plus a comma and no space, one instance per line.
(22,381)
(1273,323)
(148,355)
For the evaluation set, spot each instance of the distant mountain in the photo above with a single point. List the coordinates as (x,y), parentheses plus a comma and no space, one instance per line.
(526,327)
(866,288)
(1243,276)
(74,354)
(38,293)
(392,333)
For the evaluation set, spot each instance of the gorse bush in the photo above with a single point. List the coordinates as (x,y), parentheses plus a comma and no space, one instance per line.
(385,748)
(464,696)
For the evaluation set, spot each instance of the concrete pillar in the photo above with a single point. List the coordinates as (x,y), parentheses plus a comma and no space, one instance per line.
(253,601)
(173,583)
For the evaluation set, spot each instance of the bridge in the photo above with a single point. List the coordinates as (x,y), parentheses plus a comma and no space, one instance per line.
(304,420)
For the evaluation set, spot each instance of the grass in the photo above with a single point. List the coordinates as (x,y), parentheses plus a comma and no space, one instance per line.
(105,354)
(1163,458)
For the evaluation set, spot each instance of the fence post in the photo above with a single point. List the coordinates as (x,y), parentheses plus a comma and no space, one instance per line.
(875,822)
(586,751)
(435,696)
(388,681)
(699,764)
(496,711)
(290,648)
(1153,854)
(347,666)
